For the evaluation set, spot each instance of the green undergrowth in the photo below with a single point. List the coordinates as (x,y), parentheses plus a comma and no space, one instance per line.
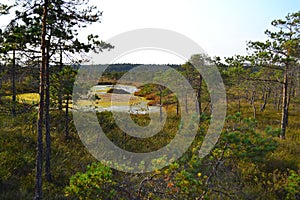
(274,175)
(17,156)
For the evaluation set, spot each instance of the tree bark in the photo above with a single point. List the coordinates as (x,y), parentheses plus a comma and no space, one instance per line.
(1,71)
(199,94)
(239,103)
(253,104)
(13,80)
(47,117)
(186,102)
(160,104)
(67,119)
(60,88)
(265,97)
(284,111)
(290,93)
(39,156)
(177,108)
(279,103)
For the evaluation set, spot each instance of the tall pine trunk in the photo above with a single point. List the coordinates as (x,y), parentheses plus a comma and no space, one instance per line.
(284,111)
(47,117)
(60,92)
(290,94)
(39,156)
(13,80)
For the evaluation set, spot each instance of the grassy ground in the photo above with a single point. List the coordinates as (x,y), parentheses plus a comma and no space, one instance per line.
(287,155)
(18,146)
(18,150)
(27,98)
(105,100)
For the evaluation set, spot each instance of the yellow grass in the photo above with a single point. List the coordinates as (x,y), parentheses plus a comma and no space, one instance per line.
(105,102)
(28,98)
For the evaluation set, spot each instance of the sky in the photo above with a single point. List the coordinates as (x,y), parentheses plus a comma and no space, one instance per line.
(221,27)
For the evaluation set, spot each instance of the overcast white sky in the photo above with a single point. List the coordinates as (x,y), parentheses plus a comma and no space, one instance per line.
(220,27)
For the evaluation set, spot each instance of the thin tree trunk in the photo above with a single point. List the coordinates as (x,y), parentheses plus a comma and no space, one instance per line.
(13,79)
(160,104)
(177,108)
(197,105)
(288,101)
(60,88)
(279,104)
(206,106)
(39,156)
(199,94)
(275,98)
(284,111)
(253,104)
(47,118)
(67,119)
(265,99)
(239,100)
(1,71)
(239,103)
(186,103)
